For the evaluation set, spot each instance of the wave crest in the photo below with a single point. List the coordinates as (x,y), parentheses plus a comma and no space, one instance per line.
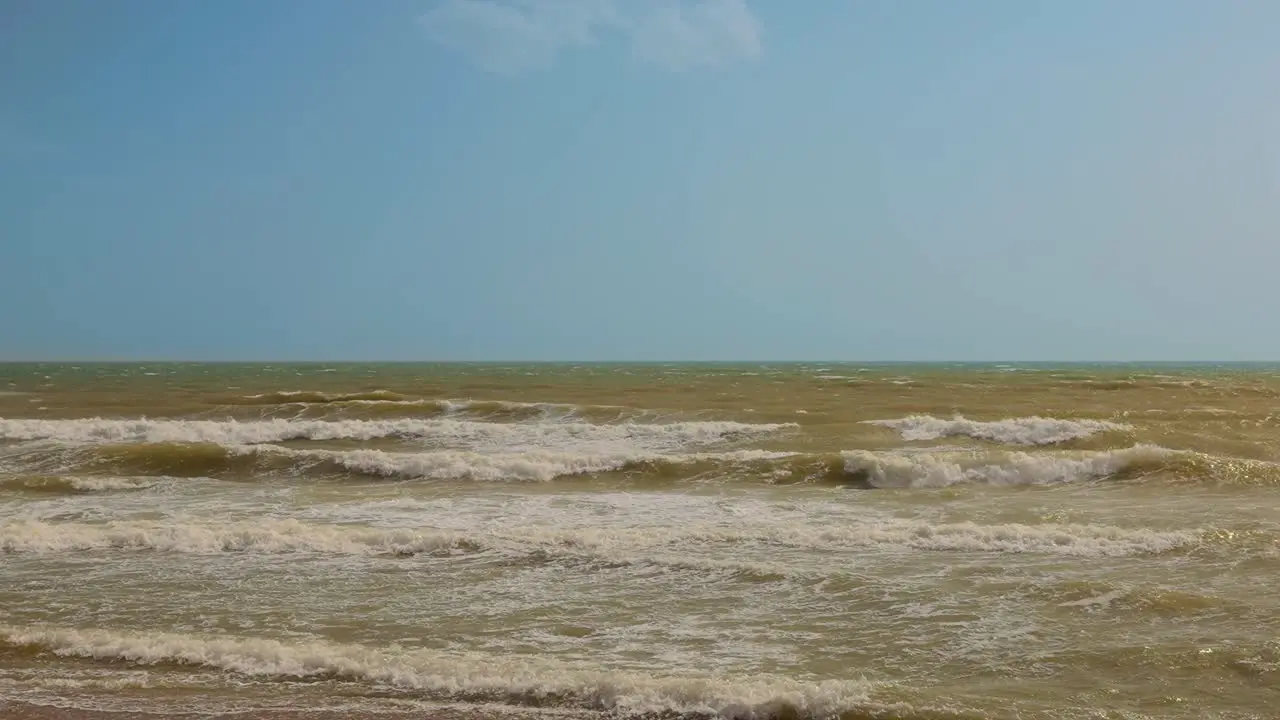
(70,485)
(668,547)
(471,677)
(204,460)
(455,432)
(1012,431)
(865,468)
(309,397)
(942,469)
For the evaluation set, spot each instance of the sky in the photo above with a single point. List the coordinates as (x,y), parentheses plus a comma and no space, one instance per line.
(640,180)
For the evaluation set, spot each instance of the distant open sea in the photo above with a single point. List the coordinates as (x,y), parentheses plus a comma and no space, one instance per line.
(663,540)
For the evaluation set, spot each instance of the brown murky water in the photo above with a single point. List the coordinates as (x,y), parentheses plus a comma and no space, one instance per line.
(730,540)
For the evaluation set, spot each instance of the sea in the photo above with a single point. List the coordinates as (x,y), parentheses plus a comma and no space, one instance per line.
(739,541)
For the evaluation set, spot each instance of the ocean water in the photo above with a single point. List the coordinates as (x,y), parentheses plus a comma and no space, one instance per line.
(663,540)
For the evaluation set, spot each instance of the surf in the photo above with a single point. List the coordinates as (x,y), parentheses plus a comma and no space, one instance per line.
(604,543)
(472,677)
(1011,431)
(655,436)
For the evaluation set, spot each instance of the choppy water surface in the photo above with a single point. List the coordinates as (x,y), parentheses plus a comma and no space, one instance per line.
(801,541)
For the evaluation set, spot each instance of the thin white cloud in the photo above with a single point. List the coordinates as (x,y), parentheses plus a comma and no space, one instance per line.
(513,36)
(679,35)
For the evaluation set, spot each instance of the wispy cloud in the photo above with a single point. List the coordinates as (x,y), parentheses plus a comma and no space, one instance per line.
(514,36)
(710,32)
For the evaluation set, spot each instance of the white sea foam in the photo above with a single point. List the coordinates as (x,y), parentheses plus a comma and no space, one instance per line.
(315,396)
(530,465)
(533,465)
(472,676)
(98,484)
(669,436)
(880,533)
(1013,431)
(387,397)
(1054,539)
(79,484)
(697,545)
(261,536)
(940,469)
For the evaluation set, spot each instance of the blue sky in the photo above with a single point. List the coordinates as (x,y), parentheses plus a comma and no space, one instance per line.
(640,179)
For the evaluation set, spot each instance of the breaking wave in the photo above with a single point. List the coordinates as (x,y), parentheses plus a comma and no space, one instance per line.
(514,680)
(663,546)
(941,469)
(669,436)
(493,409)
(533,465)
(65,485)
(290,397)
(871,469)
(206,459)
(1012,431)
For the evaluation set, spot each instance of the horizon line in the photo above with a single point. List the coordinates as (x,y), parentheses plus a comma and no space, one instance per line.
(284,361)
